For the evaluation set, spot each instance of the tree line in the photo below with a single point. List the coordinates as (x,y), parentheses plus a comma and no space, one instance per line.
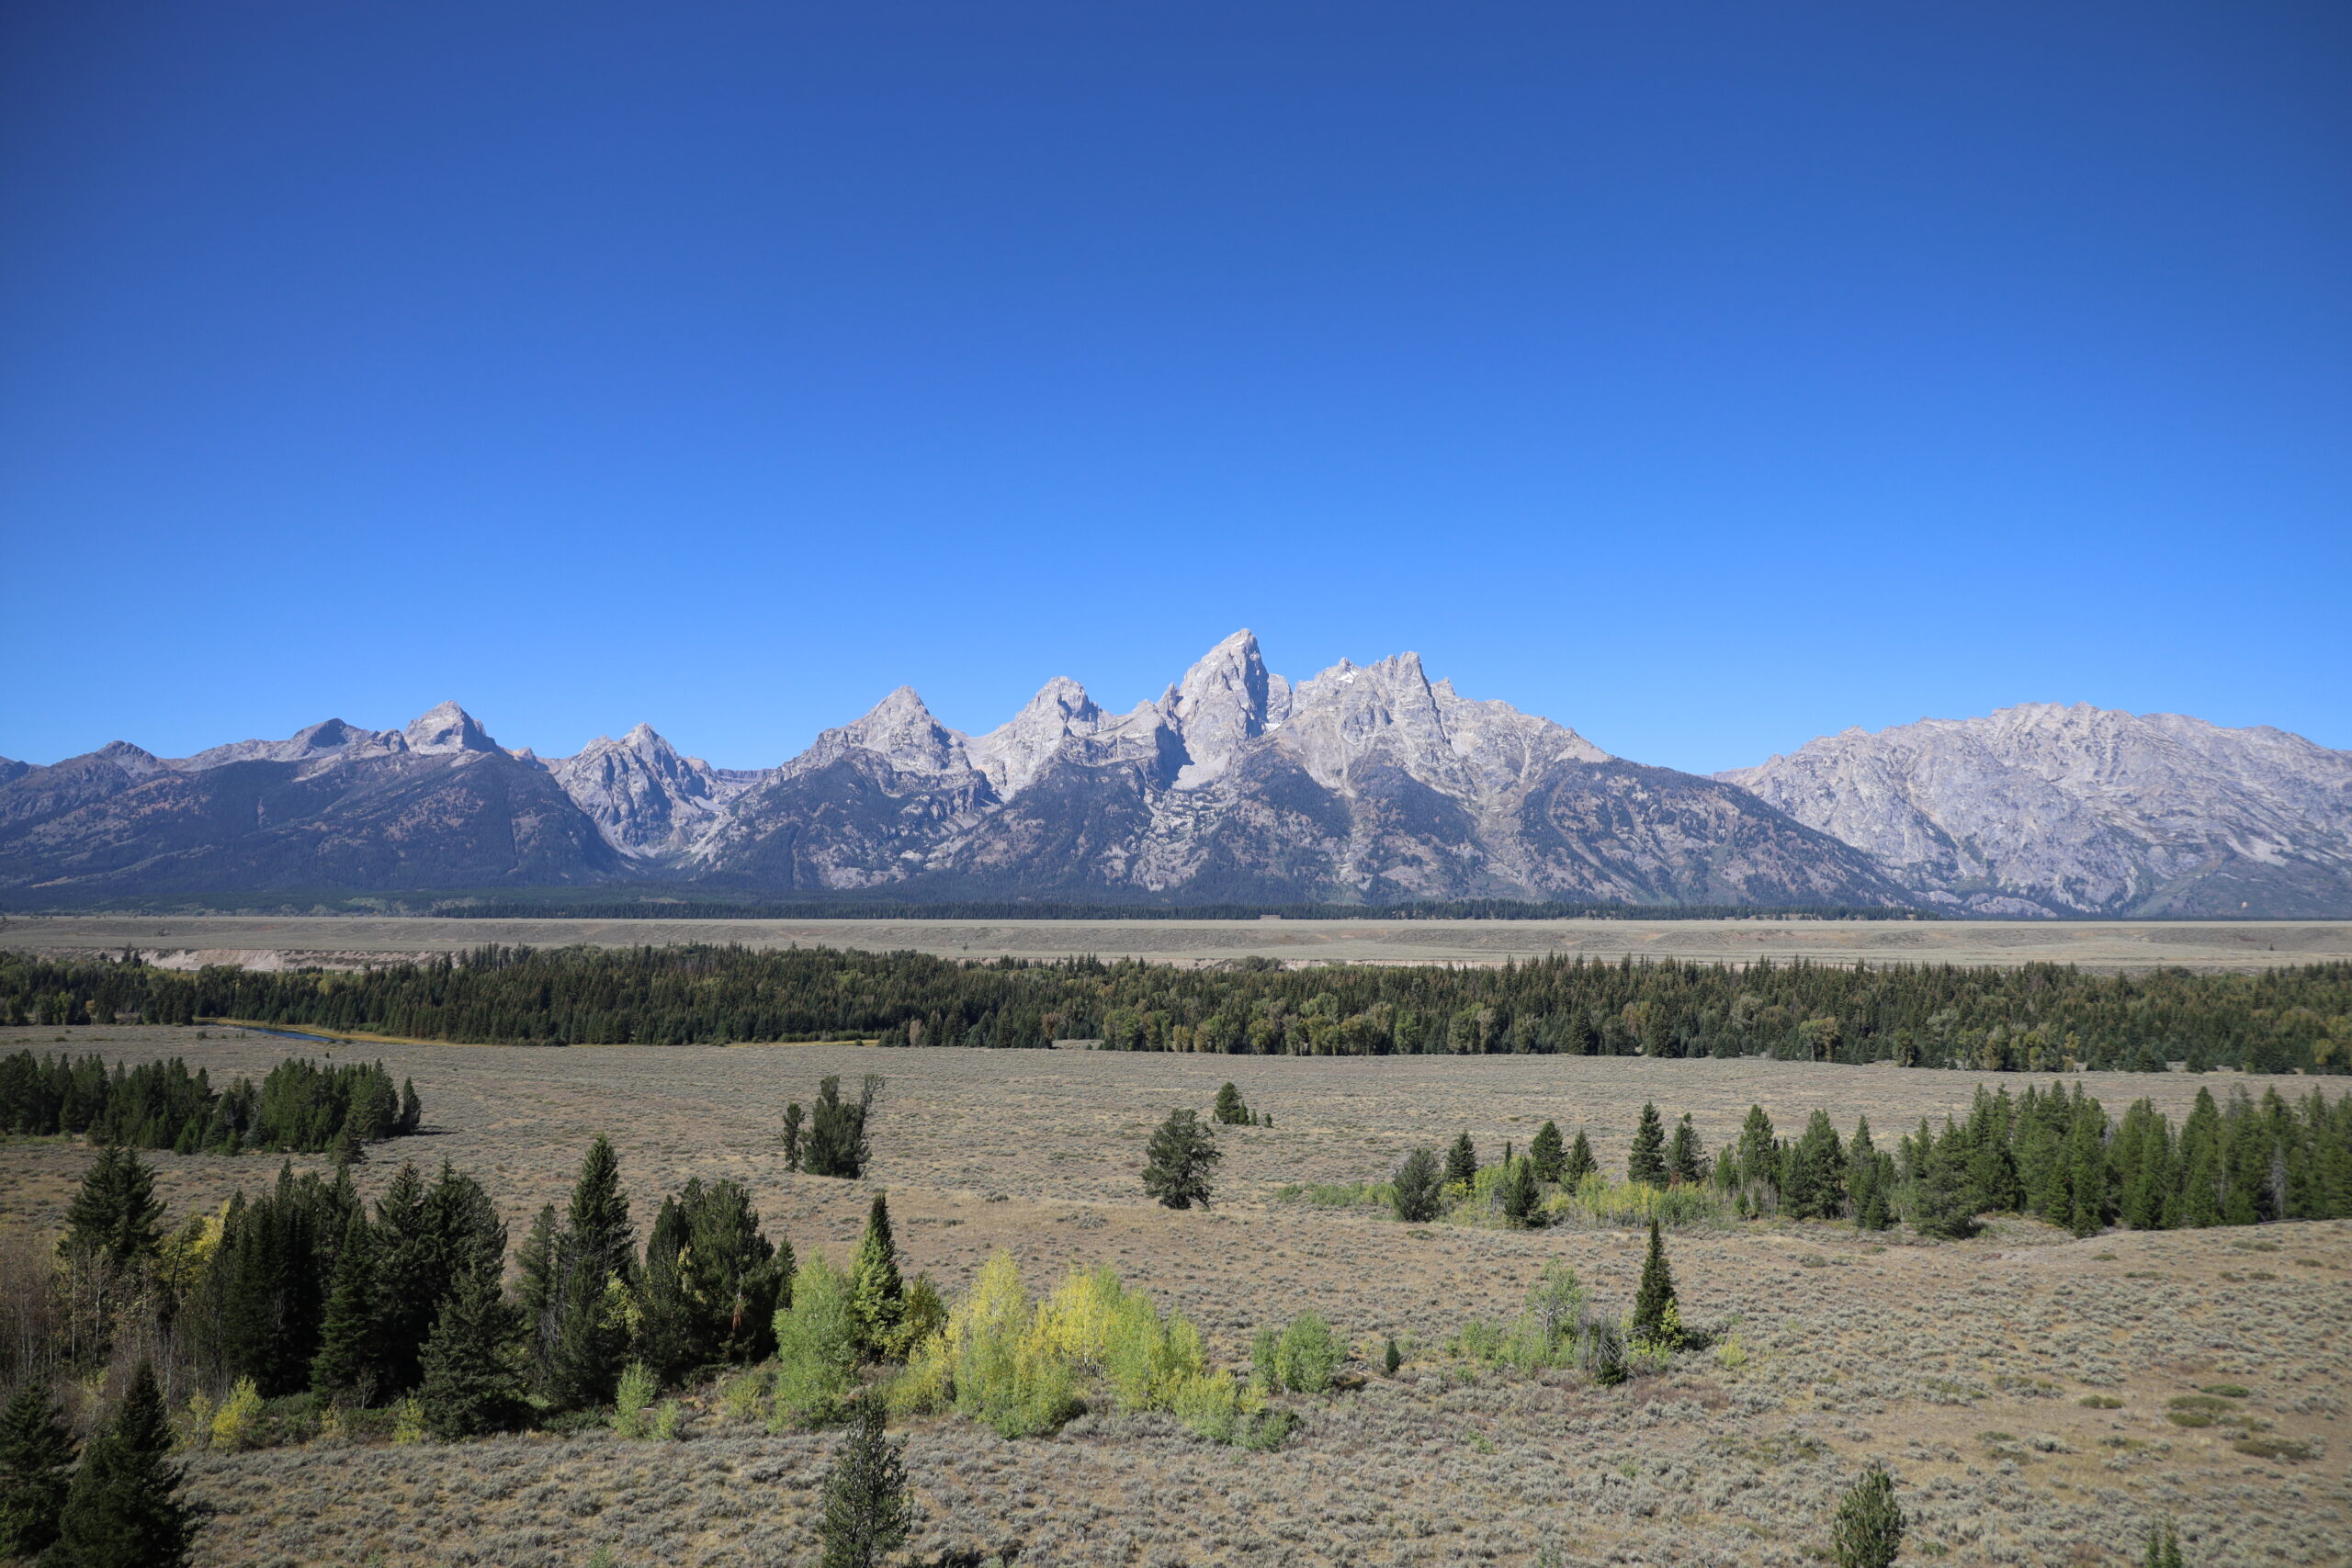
(302,1106)
(2055,1154)
(2032,1018)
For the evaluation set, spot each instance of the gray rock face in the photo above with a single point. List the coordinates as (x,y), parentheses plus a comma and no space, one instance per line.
(645,799)
(2081,810)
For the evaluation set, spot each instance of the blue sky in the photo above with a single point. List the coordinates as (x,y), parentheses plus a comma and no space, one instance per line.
(1706,376)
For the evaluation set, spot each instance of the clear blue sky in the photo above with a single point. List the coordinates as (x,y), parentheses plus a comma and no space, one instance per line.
(1706,376)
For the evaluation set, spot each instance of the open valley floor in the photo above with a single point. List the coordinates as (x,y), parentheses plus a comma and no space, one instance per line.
(1970,1368)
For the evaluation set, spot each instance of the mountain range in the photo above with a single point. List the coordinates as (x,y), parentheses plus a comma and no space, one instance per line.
(1365,783)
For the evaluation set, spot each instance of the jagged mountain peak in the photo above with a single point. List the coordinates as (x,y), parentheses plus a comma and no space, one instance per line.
(1224,700)
(901,730)
(444,729)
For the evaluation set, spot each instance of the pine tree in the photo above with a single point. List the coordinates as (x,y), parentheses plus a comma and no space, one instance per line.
(115,1216)
(1686,1159)
(1813,1187)
(1462,1161)
(348,1362)
(1868,1530)
(471,1382)
(412,1109)
(1229,1109)
(1647,1163)
(864,1514)
(591,1341)
(1868,1179)
(1759,1151)
(878,1295)
(1417,1191)
(1177,1160)
(1546,1152)
(2163,1546)
(1943,1200)
(539,1291)
(36,1467)
(1580,1163)
(1655,1299)
(123,1510)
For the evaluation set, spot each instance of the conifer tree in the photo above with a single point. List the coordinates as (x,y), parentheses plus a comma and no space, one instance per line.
(1813,1184)
(1416,1190)
(1868,1530)
(1462,1161)
(1686,1159)
(1868,1179)
(1229,1110)
(1759,1151)
(1177,1160)
(865,1516)
(1545,1151)
(115,1216)
(123,1510)
(2163,1546)
(1522,1199)
(1655,1299)
(539,1291)
(36,1467)
(877,1293)
(1580,1163)
(348,1363)
(1647,1163)
(594,1273)
(1943,1200)
(792,1119)
(412,1109)
(471,1382)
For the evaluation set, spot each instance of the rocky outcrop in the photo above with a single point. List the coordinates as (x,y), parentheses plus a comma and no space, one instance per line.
(646,800)
(2043,809)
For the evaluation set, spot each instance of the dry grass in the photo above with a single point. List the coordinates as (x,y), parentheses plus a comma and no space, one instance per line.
(1962,1365)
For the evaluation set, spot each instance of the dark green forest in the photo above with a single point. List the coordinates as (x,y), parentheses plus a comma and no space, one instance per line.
(2032,1018)
(303,1106)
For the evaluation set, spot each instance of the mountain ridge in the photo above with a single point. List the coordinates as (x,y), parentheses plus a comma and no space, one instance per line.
(1362,783)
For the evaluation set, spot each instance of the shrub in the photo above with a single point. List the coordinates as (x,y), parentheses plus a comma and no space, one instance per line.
(631,1401)
(1307,1354)
(816,1347)
(233,1424)
(1269,1429)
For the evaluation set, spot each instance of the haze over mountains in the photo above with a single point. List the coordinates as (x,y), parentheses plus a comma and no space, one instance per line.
(1367,783)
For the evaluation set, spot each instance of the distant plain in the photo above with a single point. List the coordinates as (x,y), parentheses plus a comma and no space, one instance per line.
(2094,944)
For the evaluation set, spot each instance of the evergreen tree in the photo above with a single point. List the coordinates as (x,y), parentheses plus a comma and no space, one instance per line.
(1462,1161)
(1229,1109)
(1686,1159)
(1522,1199)
(412,1109)
(1868,1530)
(1654,1298)
(877,1293)
(123,1510)
(591,1340)
(1942,1199)
(1869,1177)
(792,1119)
(1814,1174)
(36,1467)
(1760,1152)
(1580,1163)
(1546,1152)
(348,1361)
(1177,1160)
(836,1143)
(539,1290)
(115,1216)
(2163,1546)
(472,1383)
(1417,1192)
(1646,1164)
(864,1515)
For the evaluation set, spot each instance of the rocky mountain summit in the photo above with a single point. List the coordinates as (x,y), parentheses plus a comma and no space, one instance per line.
(2041,810)
(1362,783)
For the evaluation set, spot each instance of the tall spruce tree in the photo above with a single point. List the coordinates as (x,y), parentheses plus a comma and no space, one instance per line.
(1760,1152)
(36,1468)
(878,1292)
(864,1517)
(472,1380)
(594,1272)
(1229,1109)
(791,1136)
(1870,1177)
(1546,1152)
(1580,1163)
(1462,1161)
(124,1509)
(349,1363)
(1656,1314)
(1177,1161)
(1646,1164)
(1868,1530)
(539,1291)
(115,1216)
(1522,1199)
(1686,1157)
(1814,1185)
